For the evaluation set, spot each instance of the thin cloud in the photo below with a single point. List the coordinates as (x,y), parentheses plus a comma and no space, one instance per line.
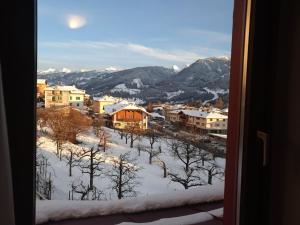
(209,35)
(176,55)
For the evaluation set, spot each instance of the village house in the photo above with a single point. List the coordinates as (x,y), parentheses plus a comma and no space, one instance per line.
(173,116)
(41,84)
(205,122)
(124,115)
(64,96)
(100,103)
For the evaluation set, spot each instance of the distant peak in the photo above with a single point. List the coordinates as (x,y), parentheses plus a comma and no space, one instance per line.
(175,68)
(111,69)
(66,70)
(49,70)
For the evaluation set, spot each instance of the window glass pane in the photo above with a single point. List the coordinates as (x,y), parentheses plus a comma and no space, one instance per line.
(138,85)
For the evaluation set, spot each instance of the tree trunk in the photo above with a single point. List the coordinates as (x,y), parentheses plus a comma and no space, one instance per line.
(131,143)
(57,148)
(150,158)
(70,164)
(91,172)
(209,177)
(120,182)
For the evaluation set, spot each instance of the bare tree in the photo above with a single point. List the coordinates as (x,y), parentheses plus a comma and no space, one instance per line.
(124,176)
(76,123)
(90,163)
(86,193)
(44,183)
(121,133)
(153,136)
(133,132)
(188,178)
(163,165)
(81,189)
(205,156)
(151,152)
(104,139)
(211,170)
(140,148)
(186,152)
(57,122)
(73,157)
(66,123)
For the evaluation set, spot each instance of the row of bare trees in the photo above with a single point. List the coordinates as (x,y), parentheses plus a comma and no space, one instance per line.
(195,161)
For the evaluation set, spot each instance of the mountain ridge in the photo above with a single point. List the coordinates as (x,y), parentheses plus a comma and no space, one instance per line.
(205,80)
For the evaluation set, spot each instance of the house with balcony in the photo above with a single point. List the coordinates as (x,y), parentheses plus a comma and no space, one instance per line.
(122,116)
(64,96)
(198,120)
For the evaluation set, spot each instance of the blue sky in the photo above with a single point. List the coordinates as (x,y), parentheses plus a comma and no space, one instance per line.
(95,34)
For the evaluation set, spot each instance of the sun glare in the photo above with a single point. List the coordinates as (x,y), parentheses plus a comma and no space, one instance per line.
(76,21)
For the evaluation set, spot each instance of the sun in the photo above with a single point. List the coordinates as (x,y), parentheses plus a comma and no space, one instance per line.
(76,21)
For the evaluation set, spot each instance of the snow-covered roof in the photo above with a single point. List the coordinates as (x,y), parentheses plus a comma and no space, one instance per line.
(112,109)
(41,81)
(202,114)
(109,109)
(224,136)
(107,98)
(225,110)
(154,114)
(72,89)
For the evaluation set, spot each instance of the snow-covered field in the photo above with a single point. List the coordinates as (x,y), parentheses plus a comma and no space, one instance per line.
(150,177)
(124,88)
(215,93)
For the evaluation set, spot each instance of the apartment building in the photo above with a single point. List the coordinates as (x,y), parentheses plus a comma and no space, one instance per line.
(64,96)
(205,122)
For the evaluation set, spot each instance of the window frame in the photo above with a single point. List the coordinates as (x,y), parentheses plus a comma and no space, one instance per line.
(21,20)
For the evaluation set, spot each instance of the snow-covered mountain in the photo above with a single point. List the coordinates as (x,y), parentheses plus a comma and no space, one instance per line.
(205,79)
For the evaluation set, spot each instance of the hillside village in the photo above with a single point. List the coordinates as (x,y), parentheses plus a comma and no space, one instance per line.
(83,142)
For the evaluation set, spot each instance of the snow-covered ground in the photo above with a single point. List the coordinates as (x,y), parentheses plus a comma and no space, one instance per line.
(215,93)
(153,192)
(124,88)
(174,94)
(150,177)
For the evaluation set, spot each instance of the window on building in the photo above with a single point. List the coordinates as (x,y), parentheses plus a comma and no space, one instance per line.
(77,98)
(70,97)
